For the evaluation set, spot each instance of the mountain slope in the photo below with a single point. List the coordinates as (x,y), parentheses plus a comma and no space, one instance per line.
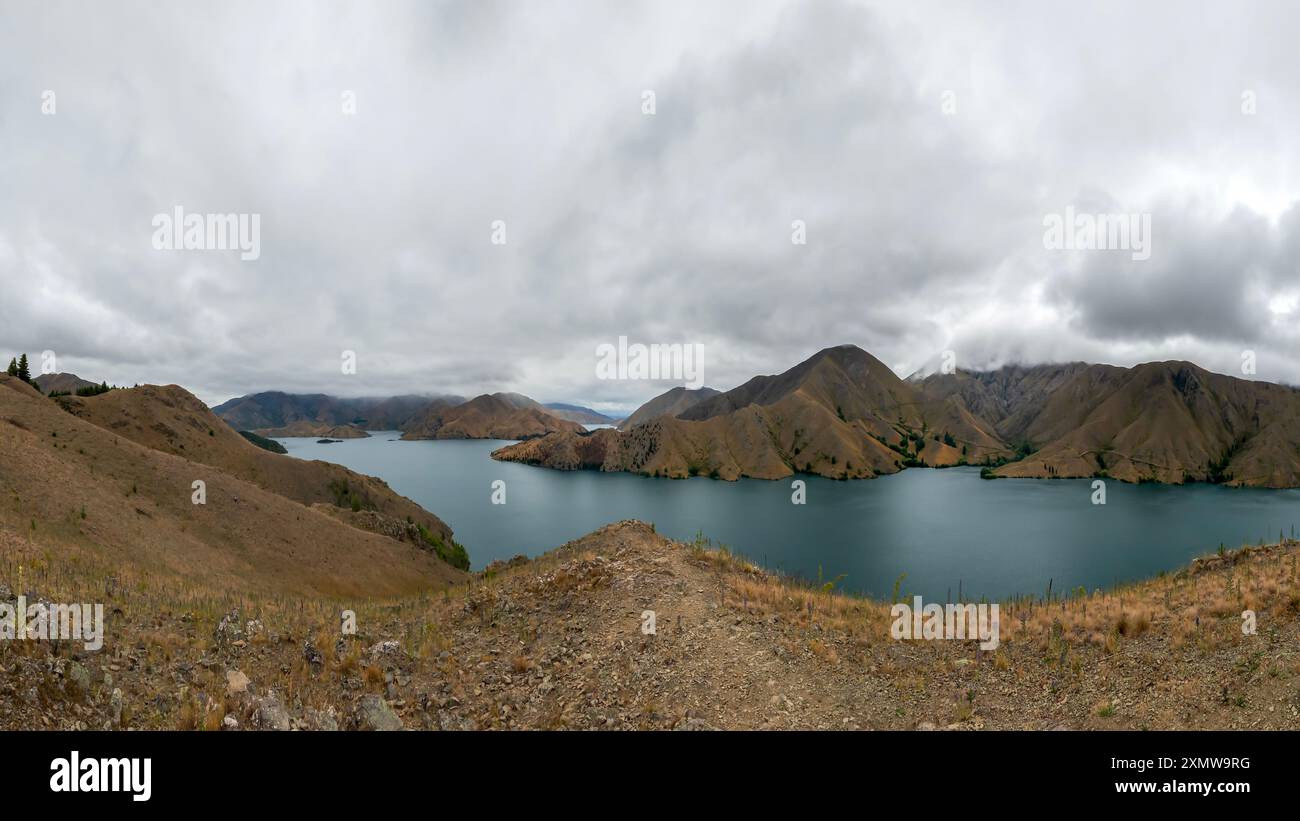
(1009,398)
(1167,422)
(841,413)
(103,497)
(314,429)
(276,409)
(490,416)
(579,414)
(171,420)
(61,383)
(669,403)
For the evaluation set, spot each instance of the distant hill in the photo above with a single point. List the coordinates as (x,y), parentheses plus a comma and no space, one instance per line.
(843,414)
(303,428)
(671,403)
(579,414)
(490,416)
(276,409)
(61,383)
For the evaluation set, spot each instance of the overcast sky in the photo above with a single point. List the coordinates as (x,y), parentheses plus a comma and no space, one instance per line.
(922,145)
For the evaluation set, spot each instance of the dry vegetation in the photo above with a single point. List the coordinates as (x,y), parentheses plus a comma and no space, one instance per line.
(556,642)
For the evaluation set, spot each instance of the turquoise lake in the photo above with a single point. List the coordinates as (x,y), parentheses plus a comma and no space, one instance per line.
(945,529)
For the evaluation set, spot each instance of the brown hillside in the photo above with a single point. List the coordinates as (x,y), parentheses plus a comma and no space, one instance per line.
(489,416)
(557,643)
(669,403)
(841,414)
(304,428)
(96,495)
(1008,399)
(61,382)
(172,420)
(1166,422)
(275,409)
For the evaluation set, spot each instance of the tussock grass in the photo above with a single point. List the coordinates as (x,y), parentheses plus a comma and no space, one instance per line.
(1197,608)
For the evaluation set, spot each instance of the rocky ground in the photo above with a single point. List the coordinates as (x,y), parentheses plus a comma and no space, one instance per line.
(558,642)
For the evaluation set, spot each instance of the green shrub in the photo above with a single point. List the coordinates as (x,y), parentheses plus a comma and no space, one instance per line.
(453,554)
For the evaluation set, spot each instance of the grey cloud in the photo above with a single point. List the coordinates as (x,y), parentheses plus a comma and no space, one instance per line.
(924,229)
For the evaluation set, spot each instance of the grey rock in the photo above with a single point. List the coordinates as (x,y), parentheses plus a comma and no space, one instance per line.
(77,681)
(386,651)
(115,709)
(320,720)
(229,629)
(236,682)
(373,713)
(695,724)
(270,714)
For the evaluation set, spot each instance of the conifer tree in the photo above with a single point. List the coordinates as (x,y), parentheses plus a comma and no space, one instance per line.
(23,372)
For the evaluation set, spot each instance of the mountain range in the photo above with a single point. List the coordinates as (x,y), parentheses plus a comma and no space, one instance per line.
(843,414)
(276,409)
(489,416)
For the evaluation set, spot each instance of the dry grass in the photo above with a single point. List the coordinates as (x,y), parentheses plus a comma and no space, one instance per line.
(373,677)
(522,664)
(1193,608)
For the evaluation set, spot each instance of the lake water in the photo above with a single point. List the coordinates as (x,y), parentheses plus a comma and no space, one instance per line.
(940,527)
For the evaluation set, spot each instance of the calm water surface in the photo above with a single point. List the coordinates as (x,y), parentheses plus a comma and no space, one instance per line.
(943,528)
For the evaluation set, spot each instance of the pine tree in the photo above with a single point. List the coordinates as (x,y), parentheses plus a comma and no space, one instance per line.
(13,367)
(23,372)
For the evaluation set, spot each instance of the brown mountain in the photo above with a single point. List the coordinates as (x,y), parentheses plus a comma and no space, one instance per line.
(314,429)
(276,409)
(518,400)
(571,413)
(61,383)
(579,414)
(1161,421)
(490,416)
(671,403)
(841,413)
(1009,398)
(107,482)
(844,414)
(172,420)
